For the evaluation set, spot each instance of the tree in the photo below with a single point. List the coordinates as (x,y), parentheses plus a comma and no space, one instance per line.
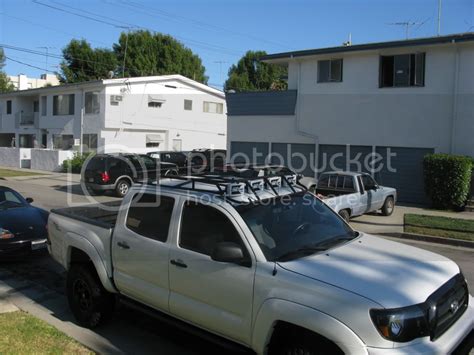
(84,63)
(149,53)
(250,74)
(5,84)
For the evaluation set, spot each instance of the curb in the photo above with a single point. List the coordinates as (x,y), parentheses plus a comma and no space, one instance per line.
(432,239)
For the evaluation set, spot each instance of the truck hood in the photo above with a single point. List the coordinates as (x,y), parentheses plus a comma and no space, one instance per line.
(389,273)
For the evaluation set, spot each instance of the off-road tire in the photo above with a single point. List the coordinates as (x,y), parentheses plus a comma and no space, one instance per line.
(88,300)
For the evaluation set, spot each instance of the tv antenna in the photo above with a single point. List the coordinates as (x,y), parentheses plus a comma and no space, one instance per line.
(220,62)
(408,25)
(46,48)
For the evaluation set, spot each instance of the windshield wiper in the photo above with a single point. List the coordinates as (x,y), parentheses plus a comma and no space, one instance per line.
(303,251)
(331,242)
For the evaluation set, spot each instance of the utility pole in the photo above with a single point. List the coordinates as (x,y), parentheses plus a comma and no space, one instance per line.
(439,17)
(220,62)
(46,48)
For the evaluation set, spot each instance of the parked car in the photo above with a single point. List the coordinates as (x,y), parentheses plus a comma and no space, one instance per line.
(173,157)
(22,226)
(272,269)
(117,172)
(204,160)
(352,194)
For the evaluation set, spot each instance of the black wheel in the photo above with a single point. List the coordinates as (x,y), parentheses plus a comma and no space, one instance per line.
(122,188)
(90,303)
(171,172)
(302,342)
(345,215)
(388,206)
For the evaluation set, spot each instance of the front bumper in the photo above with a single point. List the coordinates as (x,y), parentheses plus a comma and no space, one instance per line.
(453,341)
(22,247)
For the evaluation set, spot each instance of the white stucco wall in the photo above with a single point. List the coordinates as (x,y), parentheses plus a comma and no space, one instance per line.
(10,157)
(357,112)
(196,129)
(49,160)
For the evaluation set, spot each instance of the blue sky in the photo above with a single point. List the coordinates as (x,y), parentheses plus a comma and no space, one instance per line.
(220,32)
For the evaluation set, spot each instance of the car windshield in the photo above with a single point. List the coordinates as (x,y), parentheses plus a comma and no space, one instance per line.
(11,199)
(295,226)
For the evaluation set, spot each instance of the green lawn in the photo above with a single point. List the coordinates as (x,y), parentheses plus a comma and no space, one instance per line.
(10,173)
(25,334)
(439,226)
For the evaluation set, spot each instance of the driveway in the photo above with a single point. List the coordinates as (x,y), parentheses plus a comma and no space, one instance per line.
(375,223)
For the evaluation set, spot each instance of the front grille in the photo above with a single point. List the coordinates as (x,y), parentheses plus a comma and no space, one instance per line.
(447,305)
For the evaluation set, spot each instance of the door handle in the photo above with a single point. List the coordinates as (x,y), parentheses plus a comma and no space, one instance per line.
(178,263)
(123,245)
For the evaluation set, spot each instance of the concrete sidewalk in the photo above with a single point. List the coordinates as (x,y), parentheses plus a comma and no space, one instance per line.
(377,224)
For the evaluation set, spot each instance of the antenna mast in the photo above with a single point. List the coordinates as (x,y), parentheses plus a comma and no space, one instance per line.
(439,17)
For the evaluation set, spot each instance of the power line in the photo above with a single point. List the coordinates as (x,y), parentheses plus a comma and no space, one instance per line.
(76,14)
(28,65)
(204,45)
(201,24)
(48,28)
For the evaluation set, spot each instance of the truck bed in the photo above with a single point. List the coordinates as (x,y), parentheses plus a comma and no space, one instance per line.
(93,214)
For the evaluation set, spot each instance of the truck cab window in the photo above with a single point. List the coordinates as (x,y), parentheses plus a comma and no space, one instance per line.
(150,216)
(202,227)
(369,183)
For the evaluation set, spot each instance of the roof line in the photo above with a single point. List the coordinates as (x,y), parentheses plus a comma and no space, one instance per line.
(454,38)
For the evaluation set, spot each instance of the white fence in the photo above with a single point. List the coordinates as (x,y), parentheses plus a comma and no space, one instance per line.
(38,159)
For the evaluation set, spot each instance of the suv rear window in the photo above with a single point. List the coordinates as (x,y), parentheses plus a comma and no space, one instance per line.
(96,163)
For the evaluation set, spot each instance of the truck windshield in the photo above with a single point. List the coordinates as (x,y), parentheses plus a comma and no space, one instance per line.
(295,226)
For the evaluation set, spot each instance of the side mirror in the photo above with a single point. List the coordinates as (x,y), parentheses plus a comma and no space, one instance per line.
(29,200)
(228,252)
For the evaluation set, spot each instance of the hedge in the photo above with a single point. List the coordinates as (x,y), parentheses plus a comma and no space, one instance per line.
(447,179)
(74,165)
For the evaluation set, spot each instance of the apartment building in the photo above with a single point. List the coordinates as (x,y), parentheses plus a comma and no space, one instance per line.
(394,101)
(136,114)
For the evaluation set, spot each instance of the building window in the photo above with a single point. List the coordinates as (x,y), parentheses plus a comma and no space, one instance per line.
(153,140)
(329,70)
(27,140)
(63,142)
(154,104)
(91,103)
(402,70)
(188,105)
(89,142)
(115,100)
(63,105)
(43,105)
(36,106)
(9,107)
(213,107)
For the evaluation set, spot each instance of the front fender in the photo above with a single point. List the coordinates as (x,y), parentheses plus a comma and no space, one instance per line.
(79,242)
(274,310)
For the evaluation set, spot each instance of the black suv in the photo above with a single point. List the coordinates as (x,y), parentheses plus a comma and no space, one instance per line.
(173,157)
(204,160)
(117,172)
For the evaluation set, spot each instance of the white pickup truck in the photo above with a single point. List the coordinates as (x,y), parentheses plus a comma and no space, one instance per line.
(263,264)
(352,194)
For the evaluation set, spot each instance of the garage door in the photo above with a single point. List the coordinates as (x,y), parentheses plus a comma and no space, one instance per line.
(404,171)
(298,157)
(343,157)
(248,152)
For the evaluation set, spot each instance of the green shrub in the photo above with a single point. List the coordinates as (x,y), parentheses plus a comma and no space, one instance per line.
(74,165)
(447,179)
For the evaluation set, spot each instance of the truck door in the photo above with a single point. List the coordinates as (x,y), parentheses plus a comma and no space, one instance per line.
(214,295)
(140,249)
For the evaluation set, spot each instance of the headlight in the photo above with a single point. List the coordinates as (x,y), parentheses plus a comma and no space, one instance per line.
(6,234)
(402,324)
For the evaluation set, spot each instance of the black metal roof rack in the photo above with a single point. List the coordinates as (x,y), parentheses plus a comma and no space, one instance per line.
(221,182)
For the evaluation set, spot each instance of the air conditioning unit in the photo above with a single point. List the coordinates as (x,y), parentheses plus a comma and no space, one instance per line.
(116,98)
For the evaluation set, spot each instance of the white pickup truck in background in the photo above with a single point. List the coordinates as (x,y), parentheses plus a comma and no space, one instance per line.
(352,194)
(261,263)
